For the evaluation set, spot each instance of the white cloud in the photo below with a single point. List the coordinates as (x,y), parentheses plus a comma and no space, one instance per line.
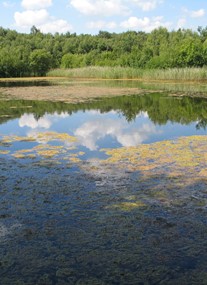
(101,7)
(53,26)
(90,132)
(28,120)
(101,25)
(197,14)
(147,5)
(134,22)
(142,114)
(41,19)
(35,4)
(29,18)
(146,24)
(136,137)
(194,13)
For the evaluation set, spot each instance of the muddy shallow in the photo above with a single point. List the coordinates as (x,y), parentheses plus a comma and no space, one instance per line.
(85,90)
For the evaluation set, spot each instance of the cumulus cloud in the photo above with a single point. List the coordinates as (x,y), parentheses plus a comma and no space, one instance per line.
(28,120)
(90,132)
(29,18)
(194,13)
(145,24)
(45,122)
(35,4)
(197,14)
(100,7)
(53,26)
(147,5)
(35,14)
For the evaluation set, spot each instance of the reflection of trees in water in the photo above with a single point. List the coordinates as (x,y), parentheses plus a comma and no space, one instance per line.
(160,108)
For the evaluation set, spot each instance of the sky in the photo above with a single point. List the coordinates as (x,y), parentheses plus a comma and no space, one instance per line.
(91,16)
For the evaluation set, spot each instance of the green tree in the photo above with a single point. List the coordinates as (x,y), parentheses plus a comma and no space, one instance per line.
(40,61)
(190,53)
(70,60)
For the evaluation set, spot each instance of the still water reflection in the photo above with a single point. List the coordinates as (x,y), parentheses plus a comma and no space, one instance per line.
(66,220)
(122,121)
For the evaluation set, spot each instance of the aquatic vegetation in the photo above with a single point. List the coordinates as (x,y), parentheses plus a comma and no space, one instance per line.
(4,151)
(180,155)
(18,155)
(11,139)
(48,153)
(117,72)
(45,150)
(127,206)
(74,159)
(84,219)
(54,136)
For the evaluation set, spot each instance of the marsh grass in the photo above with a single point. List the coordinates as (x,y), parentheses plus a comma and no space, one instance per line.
(181,74)
(98,72)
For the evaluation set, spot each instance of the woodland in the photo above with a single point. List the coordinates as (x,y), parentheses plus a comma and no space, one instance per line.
(35,53)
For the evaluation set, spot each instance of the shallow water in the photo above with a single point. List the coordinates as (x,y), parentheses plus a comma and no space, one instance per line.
(110,123)
(108,192)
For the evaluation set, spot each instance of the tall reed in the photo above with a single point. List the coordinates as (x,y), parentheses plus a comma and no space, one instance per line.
(181,74)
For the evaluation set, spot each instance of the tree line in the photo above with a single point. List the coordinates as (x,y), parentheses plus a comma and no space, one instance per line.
(35,53)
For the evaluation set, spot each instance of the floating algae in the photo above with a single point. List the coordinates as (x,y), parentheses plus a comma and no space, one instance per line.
(128,206)
(4,151)
(184,154)
(45,147)
(103,223)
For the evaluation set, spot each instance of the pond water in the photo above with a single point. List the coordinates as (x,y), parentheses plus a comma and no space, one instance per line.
(110,123)
(108,192)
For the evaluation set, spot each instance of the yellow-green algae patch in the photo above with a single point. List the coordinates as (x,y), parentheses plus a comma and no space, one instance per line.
(64,151)
(54,136)
(185,153)
(4,151)
(127,206)
(41,137)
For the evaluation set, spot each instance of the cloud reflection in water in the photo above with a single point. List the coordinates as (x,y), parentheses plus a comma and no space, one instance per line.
(94,128)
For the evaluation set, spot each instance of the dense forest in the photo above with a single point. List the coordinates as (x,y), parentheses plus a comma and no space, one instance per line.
(35,53)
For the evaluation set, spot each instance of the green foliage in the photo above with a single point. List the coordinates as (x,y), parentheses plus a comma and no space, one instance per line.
(190,53)
(70,60)
(40,61)
(36,53)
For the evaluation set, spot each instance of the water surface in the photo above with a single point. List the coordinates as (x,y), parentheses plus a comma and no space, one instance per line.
(69,216)
(110,123)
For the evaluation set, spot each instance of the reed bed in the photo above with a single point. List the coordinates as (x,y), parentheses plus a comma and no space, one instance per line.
(98,72)
(181,74)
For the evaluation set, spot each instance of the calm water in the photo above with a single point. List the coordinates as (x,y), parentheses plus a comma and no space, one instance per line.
(112,123)
(66,221)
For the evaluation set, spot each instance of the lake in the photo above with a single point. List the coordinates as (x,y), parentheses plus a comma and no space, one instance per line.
(111,191)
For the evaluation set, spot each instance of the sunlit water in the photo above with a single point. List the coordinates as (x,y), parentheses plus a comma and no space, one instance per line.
(82,223)
(121,122)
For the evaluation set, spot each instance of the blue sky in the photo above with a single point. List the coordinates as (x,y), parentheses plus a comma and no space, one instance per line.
(91,16)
